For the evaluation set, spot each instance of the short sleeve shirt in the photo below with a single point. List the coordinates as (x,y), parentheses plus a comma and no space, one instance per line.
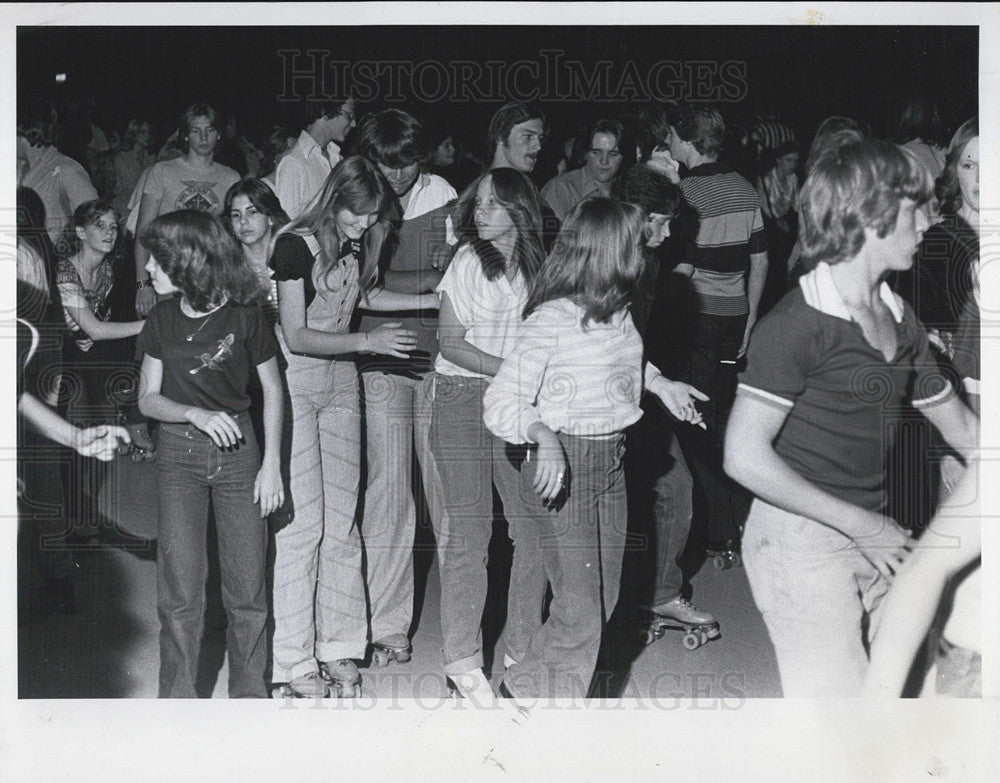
(490,310)
(842,396)
(176,185)
(207,360)
(73,294)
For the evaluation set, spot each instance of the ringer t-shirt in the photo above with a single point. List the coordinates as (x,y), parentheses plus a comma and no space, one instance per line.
(489,309)
(730,229)
(583,381)
(808,358)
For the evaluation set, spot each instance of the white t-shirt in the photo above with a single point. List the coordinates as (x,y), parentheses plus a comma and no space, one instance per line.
(176,185)
(489,309)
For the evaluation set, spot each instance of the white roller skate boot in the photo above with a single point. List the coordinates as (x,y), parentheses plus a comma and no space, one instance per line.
(342,677)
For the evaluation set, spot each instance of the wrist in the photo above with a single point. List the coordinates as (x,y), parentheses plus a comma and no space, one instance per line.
(140,284)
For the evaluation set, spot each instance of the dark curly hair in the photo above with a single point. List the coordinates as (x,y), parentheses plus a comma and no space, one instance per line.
(201,259)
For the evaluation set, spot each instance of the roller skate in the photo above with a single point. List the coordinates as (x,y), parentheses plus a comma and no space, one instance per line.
(725,554)
(473,686)
(306,686)
(342,678)
(395,647)
(142,447)
(679,615)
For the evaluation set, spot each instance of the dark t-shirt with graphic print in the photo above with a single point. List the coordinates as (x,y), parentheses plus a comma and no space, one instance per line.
(207,360)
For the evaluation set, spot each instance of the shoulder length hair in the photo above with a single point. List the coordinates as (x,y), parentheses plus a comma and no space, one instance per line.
(355,184)
(87,214)
(946,188)
(202,259)
(263,199)
(596,260)
(518,196)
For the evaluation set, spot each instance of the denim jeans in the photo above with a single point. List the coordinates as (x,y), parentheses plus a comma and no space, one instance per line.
(712,370)
(193,471)
(320,613)
(660,505)
(397,421)
(820,598)
(470,460)
(580,543)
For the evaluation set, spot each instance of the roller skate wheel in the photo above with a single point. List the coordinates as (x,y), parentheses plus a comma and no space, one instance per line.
(719,562)
(380,658)
(137,456)
(691,641)
(737,560)
(124,448)
(649,636)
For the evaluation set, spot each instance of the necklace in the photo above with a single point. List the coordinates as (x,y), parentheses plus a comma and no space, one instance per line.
(206,318)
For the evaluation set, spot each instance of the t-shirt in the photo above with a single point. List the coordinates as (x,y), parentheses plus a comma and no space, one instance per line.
(75,295)
(489,309)
(842,397)
(293,260)
(177,185)
(207,360)
(730,229)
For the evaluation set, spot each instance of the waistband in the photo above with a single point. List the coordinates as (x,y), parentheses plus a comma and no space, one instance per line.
(187,430)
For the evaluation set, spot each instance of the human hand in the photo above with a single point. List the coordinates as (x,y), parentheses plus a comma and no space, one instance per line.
(886,547)
(100,442)
(145,300)
(662,161)
(268,489)
(746,338)
(550,468)
(218,425)
(679,398)
(391,340)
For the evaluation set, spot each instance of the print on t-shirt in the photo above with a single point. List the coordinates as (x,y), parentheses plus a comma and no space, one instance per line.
(224,351)
(198,195)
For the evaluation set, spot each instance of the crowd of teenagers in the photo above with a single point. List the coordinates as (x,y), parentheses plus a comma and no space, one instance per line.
(671,342)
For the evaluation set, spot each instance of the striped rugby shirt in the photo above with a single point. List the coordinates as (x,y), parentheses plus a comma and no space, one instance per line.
(583,381)
(730,229)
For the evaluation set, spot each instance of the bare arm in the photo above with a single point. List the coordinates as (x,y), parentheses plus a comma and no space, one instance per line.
(145,298)
(459,351)
(755,287)
(949,544)
(958,425)
(97,329)
(750,458)
(218,425)
(299,337)
(268,489)
(100,442)
(385,301)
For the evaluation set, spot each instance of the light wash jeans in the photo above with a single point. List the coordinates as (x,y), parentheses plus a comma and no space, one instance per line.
(320,612)
(820,598)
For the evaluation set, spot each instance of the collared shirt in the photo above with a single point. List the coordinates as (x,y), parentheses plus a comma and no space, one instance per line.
(429,192)
(60,182)
(809,358)
(301,174)
(490,310)
(565,191)
(580,380)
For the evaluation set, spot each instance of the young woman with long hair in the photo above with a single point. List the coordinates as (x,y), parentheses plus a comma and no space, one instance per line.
(567,390)
(326,263)
(483,291)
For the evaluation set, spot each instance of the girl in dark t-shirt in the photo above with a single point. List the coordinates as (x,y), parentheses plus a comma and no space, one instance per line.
(199,349)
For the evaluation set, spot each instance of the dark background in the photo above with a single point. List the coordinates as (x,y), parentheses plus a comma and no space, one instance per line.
(799,73)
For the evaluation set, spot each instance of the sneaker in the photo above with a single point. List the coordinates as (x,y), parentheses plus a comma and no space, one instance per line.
(683,612)
(475,687)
